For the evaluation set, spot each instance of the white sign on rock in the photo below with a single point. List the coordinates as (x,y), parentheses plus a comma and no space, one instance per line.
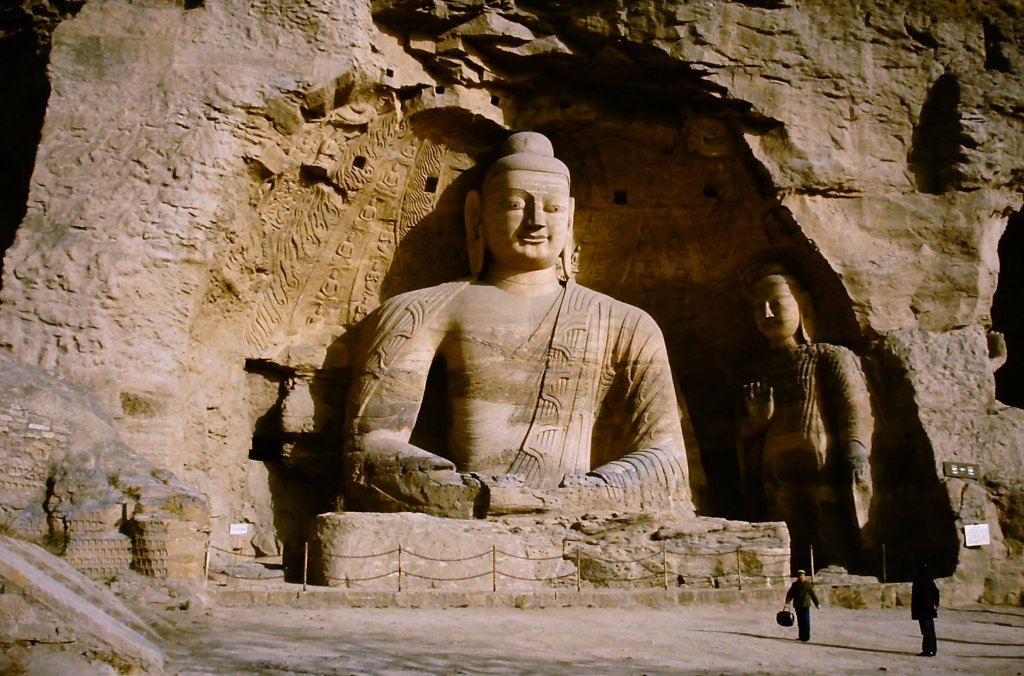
(976,534)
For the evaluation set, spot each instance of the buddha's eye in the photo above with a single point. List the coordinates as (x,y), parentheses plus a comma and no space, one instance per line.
(516,203)
(554,208)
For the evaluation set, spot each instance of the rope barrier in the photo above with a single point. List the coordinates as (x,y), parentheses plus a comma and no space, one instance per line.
(557,557)
(644,578)
(680,552)
(430,558)
(366,556)
(361,579)
(537,579)
(640,560)
(445,579)
(233,552)
(235,576)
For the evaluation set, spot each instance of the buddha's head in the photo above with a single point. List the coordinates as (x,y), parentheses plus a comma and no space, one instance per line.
(782,309)
(523,215)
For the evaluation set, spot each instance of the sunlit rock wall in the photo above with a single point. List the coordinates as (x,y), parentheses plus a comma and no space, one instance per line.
(224,188)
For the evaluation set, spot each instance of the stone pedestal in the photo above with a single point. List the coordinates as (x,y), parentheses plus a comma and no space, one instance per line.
(417,551)
(409,551)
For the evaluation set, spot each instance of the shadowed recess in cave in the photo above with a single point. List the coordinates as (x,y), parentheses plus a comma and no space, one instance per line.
(1007,317)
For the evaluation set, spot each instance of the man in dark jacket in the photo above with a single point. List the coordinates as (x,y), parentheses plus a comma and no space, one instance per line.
(924,606)
(801,594)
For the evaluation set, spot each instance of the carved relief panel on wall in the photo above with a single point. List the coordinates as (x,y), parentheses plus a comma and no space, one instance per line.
(365,218)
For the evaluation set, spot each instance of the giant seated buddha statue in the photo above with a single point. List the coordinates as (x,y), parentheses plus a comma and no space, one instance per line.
(556,397)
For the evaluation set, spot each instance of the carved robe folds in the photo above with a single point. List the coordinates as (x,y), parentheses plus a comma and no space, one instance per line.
(794,468)
(540,392)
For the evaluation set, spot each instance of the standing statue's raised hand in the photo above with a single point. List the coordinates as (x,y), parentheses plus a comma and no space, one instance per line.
(759,402)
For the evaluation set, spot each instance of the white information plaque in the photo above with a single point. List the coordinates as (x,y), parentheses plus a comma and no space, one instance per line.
(976,534)
(243,528)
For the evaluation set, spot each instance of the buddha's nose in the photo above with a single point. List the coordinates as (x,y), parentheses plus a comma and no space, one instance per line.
(536,212)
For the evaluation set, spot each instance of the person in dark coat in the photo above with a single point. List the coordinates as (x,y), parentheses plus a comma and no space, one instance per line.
(924,607)
(801,594)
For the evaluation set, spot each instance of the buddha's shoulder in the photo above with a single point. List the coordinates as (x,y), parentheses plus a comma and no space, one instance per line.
(583,296)
(829,351)
(430,295)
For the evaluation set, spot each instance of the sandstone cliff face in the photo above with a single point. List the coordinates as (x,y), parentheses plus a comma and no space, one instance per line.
(71,483)
(223,189)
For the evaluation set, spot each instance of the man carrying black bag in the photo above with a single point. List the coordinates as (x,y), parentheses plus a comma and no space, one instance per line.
(924,607)
(801,594)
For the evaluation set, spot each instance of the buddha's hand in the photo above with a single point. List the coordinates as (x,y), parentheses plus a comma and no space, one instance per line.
(415,459)
(385,473)
(586,479)
(857,461)
(401,470)
(500,480)
(760,403)
(618,474)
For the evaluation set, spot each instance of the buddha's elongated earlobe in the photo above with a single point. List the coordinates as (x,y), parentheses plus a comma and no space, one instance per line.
(475,244)
(803,301)
(570,245)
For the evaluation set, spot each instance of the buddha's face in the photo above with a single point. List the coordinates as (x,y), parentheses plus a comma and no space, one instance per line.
(776,311)
(526,218)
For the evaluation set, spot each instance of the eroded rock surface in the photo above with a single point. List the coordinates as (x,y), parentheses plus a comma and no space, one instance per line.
(223,190)
(70,482)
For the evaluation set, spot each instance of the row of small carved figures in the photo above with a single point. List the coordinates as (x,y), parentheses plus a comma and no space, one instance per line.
(654,578)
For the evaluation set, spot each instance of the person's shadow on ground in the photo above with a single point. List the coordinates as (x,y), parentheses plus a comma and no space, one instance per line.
(881,650)
(818,643)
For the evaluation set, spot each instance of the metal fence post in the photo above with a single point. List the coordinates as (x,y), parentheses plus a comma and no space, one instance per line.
(739,570)
(399,567)
(234,554)
(664,563)
(305,563)
(577,570)
(206,566)
(494,568)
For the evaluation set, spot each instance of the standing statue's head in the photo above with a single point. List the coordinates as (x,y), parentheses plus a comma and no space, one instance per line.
(782,309)
(523,214)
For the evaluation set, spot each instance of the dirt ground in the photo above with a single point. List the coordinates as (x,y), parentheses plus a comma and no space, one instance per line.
(687,640)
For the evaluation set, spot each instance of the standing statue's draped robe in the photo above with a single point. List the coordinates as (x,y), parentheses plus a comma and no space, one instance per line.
(792,470)
(589,389)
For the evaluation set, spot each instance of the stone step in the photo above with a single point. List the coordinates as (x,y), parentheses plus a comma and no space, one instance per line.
(292,595)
